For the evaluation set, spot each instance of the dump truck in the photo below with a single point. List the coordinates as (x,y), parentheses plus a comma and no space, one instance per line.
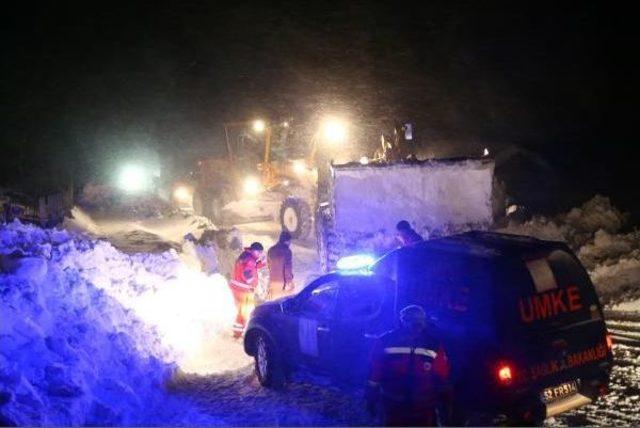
(438,197)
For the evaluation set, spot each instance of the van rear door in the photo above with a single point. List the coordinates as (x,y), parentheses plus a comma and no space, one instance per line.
(553,331)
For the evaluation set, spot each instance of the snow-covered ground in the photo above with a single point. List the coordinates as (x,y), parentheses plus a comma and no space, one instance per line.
(94,321)
(133,234)
(116,291)
(90,335)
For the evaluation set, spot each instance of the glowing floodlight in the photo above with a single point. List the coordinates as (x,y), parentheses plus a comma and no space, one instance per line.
(299,167)
(252,186)
(334,130)
(485,152)
(355,262)
(133,179)
(364,160)
(182,194)
(259,125)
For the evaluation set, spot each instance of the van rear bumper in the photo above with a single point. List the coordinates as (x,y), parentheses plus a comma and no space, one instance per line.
(566,404)
(534,409)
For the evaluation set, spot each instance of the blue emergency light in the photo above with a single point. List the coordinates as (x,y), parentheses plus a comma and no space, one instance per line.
(355,262)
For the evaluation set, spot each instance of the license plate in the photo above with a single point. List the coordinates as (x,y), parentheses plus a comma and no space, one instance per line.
(560,391)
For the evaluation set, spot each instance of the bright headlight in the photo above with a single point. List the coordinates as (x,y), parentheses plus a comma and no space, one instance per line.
(252,186)
(182,194)
(133,179)
(334,130)
(299,167)
(259,125)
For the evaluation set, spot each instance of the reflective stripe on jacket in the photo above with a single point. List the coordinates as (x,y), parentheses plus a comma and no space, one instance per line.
(409,369)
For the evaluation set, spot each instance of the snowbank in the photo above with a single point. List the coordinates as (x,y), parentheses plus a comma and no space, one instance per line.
(631,306)
(594,232)
(81,221)
(136,235)
(89,335)
(108,199)
(437,197)
(433,196)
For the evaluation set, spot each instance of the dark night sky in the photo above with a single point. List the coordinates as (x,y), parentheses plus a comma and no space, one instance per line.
(82,81)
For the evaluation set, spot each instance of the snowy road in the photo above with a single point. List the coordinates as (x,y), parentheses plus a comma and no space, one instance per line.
(236,398)
(233,395)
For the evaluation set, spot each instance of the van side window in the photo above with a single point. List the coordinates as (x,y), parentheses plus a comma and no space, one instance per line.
(322,300)
(360,301)
(541,275)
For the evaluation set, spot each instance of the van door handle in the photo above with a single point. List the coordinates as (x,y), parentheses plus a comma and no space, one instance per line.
(322,328)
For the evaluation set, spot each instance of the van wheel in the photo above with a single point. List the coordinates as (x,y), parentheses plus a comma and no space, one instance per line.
(268,366)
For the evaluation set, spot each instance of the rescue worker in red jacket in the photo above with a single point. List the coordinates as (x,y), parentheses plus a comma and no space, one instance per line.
(406,234)
(244,283)
(280,261)
(409,374)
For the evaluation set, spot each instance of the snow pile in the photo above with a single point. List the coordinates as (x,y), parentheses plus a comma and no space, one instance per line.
(136,235)
(433,196)
(108,199)
(81,221)
(594,232)
(89,335)
(436,197)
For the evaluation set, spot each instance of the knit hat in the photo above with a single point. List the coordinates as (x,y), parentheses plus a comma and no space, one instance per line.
(403,225)
(412,314)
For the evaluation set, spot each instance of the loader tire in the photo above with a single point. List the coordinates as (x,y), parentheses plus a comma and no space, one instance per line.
(197,203)
(295,218)
(209,206)
(216,213)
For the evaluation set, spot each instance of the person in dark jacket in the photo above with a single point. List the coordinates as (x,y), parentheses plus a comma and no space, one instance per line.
(409,374)
(406,235)
(280,262)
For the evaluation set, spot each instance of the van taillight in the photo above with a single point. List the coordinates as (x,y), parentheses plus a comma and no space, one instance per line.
(609,342)
(504,372)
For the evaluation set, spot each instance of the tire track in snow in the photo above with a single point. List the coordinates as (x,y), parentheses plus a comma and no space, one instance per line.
(237,399)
